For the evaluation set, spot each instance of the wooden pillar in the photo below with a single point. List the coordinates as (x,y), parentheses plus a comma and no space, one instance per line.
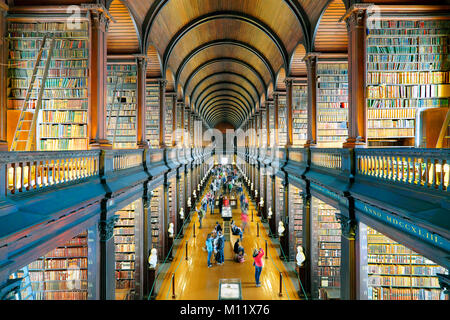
(311,65)
(147,244)
(275,119)
(181,106)
(164,222)
(268,126)
(97,79)
(290,132)
(306,241)
(3,77)
(349,263)
(284,241)
(107,261)
(162,112)
(141,110)
(189,142)
(174,119)
(355,20)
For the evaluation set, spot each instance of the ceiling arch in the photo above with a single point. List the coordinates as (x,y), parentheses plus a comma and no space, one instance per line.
(225,49)
(228,65)
(223,86)
(154,67)
(221,92)
(298,66)
(280,85)
(220,114)
(225,98)
(224,76)
(123,35)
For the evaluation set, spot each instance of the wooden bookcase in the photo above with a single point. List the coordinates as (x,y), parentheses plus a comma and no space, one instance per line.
(156,213)
(332,104)
(325,248)
(62,122)
(299,114)
(395,272)
(125,235)
(62,273)
(169,118)
(121,104)
(407,72)
(282,120)
(152,113)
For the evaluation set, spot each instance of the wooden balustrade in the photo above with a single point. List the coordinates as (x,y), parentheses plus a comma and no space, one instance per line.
(125,159)
(26,171)
(327,158)
(428,168)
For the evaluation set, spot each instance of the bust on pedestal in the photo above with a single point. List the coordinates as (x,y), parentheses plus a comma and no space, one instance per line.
(170,232)
(152,268)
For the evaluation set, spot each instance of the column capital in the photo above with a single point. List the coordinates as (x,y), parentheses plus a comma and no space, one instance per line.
(311,58)
(348,226)
(141,60)
(3,6)
(288,81)
(101,16)
(357,9)
(162,82)
(106,227)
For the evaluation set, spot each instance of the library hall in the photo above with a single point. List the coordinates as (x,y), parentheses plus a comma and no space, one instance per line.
(223,151)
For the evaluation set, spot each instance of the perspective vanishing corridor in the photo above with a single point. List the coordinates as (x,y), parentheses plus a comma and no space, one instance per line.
(115,115)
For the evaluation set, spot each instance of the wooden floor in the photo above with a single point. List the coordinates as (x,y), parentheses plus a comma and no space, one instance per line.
(195,281)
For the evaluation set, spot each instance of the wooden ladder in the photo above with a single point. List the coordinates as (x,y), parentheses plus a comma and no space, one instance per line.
(119,107)
(24,135)
(444,131)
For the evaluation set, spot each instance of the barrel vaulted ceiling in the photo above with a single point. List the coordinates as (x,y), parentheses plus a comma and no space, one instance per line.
(224,57)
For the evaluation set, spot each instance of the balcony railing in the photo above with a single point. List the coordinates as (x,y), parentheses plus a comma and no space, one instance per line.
(327,158)
(428,168)
(26,171)
(125,159)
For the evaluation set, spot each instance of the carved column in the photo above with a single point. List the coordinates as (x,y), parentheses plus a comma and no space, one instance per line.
(275,120)
(269,133)
(348,257)
(162,112)
(3,78)
(181,106)
(311,65)
(97,79)
(141,110)
(357,116)
(290,132)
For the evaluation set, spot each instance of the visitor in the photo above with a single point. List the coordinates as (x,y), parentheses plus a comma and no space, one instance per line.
(220,247)
(226,202)
(209,248)
(217,227)
(235,230)
(211,203)
(220,203)
(201,214)
(244,219)
(258,263)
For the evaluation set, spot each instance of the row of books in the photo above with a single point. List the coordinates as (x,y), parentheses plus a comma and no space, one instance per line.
(391,123)
(50,93)
(56,54)
(407,58)
(406,66)
(46,26)
(384,293)
(407,103)
(72,295)
(51,83)
(386,133)
(405,270)
(62,275)
(59,72)
(408,91)
(62,131)
(420,77)
(387,44)
(398,259)
(56,144)
(412,24)
(401,281)
(35,44)
(61,116)
(54,64)
(122,113)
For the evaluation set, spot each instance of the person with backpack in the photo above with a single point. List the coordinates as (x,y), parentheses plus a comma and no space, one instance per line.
(258,264)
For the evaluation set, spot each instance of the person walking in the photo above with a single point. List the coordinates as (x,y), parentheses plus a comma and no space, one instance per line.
(220,248)
(244,219)
(211,203)
(200,217)
(258,263)
(209,248)
(220,204)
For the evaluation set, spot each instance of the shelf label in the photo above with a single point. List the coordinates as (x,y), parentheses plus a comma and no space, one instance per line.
(404,225)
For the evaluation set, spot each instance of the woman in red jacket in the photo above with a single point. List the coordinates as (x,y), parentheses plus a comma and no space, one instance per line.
(258,263)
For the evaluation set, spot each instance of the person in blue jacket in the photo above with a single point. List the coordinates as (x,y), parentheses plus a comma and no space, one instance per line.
(209,248)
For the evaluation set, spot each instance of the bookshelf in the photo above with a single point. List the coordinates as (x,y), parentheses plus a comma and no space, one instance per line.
(407,71)
(121,104)
(152,113)
(62,273)
(171,198)
(295,220)
(279,203)
(299,114)
(181,200)
(26,290)
(332,104)
(282,120)
(125,250)
(169,118)
(62,120)
(398,273)
(325,248)
(264,130)
(156,212)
